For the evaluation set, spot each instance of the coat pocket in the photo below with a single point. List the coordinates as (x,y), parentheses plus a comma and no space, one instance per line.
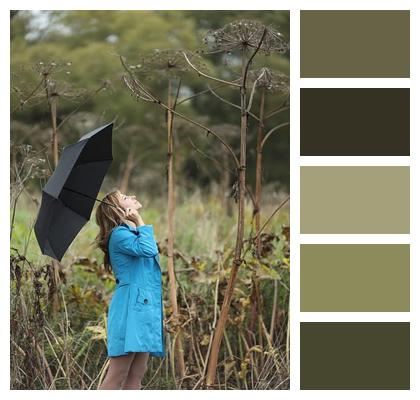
(143,300)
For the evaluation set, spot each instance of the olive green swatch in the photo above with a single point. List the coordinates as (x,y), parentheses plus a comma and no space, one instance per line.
(354,277)
(355,43)
(354,199)
(355,121)
(355,355)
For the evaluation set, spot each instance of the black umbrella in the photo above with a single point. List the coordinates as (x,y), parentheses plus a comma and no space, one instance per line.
(70,193)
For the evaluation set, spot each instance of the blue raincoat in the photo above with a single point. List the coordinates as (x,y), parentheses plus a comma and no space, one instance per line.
(135,315)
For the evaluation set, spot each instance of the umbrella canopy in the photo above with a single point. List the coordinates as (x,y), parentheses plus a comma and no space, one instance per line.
(70,193)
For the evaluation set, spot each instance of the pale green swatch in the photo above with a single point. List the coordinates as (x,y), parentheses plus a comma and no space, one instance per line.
(355,199)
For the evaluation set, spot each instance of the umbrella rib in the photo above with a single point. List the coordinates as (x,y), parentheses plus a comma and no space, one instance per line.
(89,197)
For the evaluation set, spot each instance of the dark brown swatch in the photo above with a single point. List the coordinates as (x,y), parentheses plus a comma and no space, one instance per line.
(355,122)
(355,44)
(355,355)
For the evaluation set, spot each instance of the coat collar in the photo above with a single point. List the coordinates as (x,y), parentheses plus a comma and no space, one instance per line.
(130,227)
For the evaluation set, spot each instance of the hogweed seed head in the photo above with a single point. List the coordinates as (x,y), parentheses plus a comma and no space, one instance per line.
(244,34)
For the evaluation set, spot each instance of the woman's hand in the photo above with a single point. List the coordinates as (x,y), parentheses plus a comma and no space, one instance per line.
(133,215)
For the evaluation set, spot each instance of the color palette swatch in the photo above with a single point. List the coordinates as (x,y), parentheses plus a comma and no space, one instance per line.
(359,198)
(355,122)
(355,43)
(355,199)
(355,355)
(355,277)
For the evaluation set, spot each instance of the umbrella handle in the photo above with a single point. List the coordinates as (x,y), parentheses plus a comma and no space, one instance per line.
(89,197)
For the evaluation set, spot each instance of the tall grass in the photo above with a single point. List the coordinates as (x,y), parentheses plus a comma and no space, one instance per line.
(67,350)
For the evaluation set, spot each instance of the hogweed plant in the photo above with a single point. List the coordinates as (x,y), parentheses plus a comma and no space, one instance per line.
(244,36)
(249,37)
(241,34)
(168,65)
(267,81)
(51,89)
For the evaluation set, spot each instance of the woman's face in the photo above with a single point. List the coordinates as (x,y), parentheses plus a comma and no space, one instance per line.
(127,201)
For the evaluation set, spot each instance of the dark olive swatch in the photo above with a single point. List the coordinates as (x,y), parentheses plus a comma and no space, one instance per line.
(355,122)
(355,277)
(355,355)
(355,43)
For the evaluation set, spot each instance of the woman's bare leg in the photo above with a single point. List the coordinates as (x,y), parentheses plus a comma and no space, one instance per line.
(137,370)
(117,371)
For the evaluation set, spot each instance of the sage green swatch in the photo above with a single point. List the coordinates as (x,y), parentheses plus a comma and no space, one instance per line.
(355,43)
(355,277)
(356,199)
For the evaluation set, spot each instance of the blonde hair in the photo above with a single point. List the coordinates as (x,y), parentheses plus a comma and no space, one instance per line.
(109,214)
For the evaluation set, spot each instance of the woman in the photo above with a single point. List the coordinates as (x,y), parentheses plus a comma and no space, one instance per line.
(135,316)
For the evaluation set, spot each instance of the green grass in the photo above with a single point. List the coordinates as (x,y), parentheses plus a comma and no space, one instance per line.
(202,226)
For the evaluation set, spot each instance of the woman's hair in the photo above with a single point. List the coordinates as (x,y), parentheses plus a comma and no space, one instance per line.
(108,216)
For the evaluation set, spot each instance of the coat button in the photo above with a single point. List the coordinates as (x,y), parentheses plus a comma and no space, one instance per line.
(145,301)
(118,281)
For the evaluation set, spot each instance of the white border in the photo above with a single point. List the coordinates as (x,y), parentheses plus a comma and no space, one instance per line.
(294,6)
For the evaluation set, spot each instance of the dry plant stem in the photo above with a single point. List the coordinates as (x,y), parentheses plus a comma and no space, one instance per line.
(251,97)
(270,345)
(258,172)
(33,93)
(171,347)
(52,102)
(249,353)
(18,186)
(252,238)
(272,215)
(271,131)
(209,157)
(196,350)
(213,326)
(141,92)
(274,309)
(149,383)
(253,312)
(52,99)
(15,200)
(101,375)
(229,102)
(225,168)
(171,213)
(128,168)
(208,76)
(221,323)
(252,197)
(288,340)
(87,98)
(47,367)
(66,336)
(55,354)
(198,94)
(232,356)
(277,111)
